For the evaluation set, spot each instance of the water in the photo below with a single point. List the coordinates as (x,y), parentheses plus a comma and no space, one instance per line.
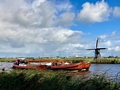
(110,69)
(6,65)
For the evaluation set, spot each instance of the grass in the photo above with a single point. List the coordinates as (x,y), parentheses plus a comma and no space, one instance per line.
(74,60)
(7,59)
(57,80)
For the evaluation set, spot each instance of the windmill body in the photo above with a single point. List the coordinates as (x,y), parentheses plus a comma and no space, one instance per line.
(97,50)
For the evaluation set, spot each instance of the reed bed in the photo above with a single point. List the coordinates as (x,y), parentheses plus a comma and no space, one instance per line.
(57,80)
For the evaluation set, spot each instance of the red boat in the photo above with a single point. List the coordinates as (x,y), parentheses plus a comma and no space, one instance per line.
(22,67)
(64,66)
(81,66)
(77,66)
(41,67)
(53,65)
(31,65)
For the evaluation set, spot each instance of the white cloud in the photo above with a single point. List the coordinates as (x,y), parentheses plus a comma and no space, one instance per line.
(117,48)
(20,40)
(66,19)
(103,36)
(112,35)
(41,14)
(114,49)
(97,12)
(65,5)
(116,11)
(108,43)
(112,42)
(28,28)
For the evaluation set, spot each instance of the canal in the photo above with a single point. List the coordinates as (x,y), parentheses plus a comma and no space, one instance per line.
(109,69)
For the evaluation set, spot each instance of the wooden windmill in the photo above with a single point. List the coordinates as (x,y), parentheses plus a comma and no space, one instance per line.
(97,50)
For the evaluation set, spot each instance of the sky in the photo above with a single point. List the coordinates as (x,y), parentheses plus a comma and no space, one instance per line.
(49,28)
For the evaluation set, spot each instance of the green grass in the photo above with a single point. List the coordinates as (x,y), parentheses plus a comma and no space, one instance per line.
(7,59)
(57,80)
(74,60)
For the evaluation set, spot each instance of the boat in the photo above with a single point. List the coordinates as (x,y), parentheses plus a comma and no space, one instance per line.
(64,66)
(51,65)
(75,66)
(20,66)
(39,67)
(31,64)
(82,66)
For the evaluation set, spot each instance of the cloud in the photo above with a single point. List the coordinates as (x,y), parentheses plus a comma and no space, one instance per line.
(97,12)
(117,48)
(34,24)
(116,11)
(114,49)
(41,40)
(111,41)
(65,19)
(107,36)
(63,6)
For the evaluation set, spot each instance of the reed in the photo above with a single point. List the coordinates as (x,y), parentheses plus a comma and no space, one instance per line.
(57,80)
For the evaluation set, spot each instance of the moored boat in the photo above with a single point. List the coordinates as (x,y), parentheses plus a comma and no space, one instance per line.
(52,65)
(76,66)
(31,65)
(82,65)
(40,67)
(20,66)
(64,66)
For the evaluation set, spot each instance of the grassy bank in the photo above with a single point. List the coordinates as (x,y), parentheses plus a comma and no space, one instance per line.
(107,61)
(48,80)
(74,60)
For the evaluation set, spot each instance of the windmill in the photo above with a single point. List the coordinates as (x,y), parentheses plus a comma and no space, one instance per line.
(97,50)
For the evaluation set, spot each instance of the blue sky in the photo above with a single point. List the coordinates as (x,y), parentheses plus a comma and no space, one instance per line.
(40,28)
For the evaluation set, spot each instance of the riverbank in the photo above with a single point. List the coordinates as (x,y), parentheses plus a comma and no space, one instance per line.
(49,80)
(73,60)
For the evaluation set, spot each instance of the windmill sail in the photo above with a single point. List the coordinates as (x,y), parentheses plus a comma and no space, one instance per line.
(97,50)
(97,43)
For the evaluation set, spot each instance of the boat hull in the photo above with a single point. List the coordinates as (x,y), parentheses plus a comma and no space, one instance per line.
(65,66)
(40,67)
(82,66)
(53,65)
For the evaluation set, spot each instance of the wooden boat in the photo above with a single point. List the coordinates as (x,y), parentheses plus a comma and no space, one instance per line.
(40,67)
(22,67)
(78,66)
(64,66)
(32,64)
(53,65)
(81,66)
